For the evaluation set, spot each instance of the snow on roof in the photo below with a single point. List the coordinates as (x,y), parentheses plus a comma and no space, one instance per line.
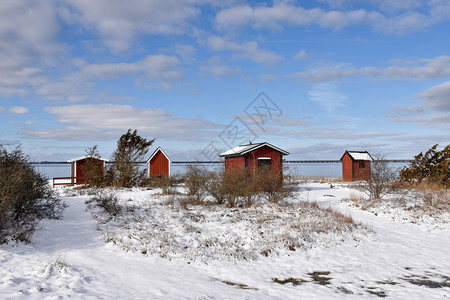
(156,151)
(237,150)
(84,157)
(358,155)
(244,149)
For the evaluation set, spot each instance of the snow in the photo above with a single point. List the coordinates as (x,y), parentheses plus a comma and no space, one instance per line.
(387,257)
(243,149)
(84,157)
(360,155)
(237,150)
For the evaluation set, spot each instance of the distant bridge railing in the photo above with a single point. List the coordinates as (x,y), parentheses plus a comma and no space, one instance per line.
(186,162)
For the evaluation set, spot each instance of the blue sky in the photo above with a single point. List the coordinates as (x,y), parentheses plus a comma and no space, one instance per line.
(315,78)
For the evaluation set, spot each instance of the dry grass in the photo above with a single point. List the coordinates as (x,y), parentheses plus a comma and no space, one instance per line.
(416,203)
(183,227)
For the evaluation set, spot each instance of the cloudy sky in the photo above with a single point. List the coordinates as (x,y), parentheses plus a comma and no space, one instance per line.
(312,77)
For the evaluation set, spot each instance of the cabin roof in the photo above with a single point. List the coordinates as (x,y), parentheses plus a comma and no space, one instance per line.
(359,155)
(156,151)
(244,149)
(84,157)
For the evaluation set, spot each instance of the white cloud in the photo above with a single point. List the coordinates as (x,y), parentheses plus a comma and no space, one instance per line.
(412,69)
(19,110)
(1,110)
(281,13)
(28,39)
(219,69)
(401,16)
(119,23)
(328,95)
(268,77)
(437,97)
(393,6)
(153,67)
(185,51)
(433,111)
(248,50)
(301,55)
(339,134)
(80,85)
(106,121)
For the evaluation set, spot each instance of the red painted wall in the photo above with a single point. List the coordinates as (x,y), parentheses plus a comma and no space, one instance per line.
(234,162)
(78,166)
(347,171)
(275,157)
(361,173)
(159,165)
(351,170)
(252,160)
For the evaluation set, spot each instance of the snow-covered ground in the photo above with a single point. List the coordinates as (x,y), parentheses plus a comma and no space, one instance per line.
(384,256)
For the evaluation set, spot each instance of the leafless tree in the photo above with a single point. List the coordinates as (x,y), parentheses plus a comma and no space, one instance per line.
(382,179)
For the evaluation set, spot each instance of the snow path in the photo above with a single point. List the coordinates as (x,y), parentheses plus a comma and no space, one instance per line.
(68,258)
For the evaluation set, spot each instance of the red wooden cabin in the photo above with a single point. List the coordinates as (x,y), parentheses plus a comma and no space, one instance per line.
(158,164)
(255,156)
(356,165)
(77,165)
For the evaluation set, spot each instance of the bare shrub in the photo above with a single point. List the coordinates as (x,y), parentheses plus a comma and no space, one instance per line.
(241,187)
(196,179)
(166,183)
(25,197)
(275,186)
(107,200)
(382,180)
(215,186)
(238,187)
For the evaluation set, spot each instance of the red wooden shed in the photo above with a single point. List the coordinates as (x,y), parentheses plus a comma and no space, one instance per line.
(158,164)
(255,156)
(356,165)
(77,165)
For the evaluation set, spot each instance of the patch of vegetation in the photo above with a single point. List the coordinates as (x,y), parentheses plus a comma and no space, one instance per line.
(25,196)
(94,172)
(319,277)
(241,285)
(382,179)
(108,201)
(178,226)
(294,281)
(432,166)
(131,149)
(241,187)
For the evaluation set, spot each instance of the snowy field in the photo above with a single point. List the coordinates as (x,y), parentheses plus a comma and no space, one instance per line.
(323,243)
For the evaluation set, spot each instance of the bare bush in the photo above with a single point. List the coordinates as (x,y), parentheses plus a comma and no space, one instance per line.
(167,184)
(382,180)
(275,186)
(215,186)
(108,201)
(25,197)
(196,179)
(241,187)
